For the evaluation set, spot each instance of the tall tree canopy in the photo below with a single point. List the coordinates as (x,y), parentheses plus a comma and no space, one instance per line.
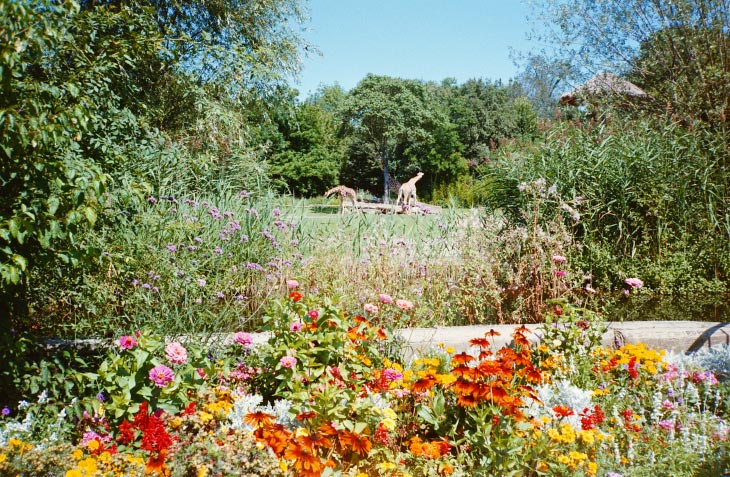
(388,114)
(677,51)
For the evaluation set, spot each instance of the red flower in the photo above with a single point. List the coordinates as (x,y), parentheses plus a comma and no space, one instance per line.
(296,296)
(381,434)
(126,433)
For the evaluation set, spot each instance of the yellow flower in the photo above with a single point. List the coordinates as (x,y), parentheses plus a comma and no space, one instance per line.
(450,350)
(542,467)
(564,459)
(78,454)
(105,457)
(203,471)
(592,468)
(388,423)
(361,474)
(175,422)
(390,414)
(283,465)
(445,379)
(93,445)
(74,473)
(3,458)
(301,432)
(386,466)
(205,416)
(88,465)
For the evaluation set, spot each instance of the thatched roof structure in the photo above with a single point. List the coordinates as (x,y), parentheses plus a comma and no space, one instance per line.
(601,85)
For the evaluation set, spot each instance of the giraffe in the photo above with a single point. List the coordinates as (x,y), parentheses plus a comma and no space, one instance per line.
(344,193)
(408,191)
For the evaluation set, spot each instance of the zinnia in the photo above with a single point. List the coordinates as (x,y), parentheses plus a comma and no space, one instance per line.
(244,339)
(313,314)
(288,361)
(161,375)
(386,299)
(176,353)
(634,282)
(404,304)
(292,284)
(370,308)
(295,326)
(127,342)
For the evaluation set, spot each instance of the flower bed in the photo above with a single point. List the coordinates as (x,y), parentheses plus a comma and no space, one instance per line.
(330,393)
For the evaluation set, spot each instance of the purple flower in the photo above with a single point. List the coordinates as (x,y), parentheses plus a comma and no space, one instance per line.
(100,397)
(5,412)
(172,248)
(201,282)
(220,295)
(296,326)
(161,375)
(559,259)
(391,374)
(218,250)
(288,362)
(276,212)
(634,282)
(244,193)
(198,239)
(151,200)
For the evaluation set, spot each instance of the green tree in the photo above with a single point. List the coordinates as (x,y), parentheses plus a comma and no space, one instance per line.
(678,50)
(312,152)
(388,114)
(65,101)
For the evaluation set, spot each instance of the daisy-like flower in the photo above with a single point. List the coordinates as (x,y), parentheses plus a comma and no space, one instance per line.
(127,342)
(176,353)
(288,361)
(161,375)
(404,304)
(244,339)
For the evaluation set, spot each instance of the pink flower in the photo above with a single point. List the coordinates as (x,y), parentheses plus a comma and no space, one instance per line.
(559,273)
(559,259)
(244,339)
(292,284)
(386,299)
(392,374)
(313,314)
(295,326)
(634,282)
(127,342)
(404,304)
(288,362)
(666,424)
(667,404)
(176,353)
(161,375)
(370,308)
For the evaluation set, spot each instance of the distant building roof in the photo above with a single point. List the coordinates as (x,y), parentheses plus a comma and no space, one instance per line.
(601,84)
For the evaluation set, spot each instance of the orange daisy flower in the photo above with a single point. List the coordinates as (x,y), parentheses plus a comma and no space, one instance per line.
(359,444)
(461,358)
(491,333)
(259,418)
(423,384)
(481,342)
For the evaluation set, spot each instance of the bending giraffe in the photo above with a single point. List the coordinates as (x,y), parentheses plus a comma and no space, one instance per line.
(344,193)
(408,191)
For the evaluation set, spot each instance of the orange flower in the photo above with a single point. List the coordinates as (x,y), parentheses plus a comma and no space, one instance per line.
(306,415)
(481,342)
(327,429)
(258,418)
(461,358)
(491,333)
(296,296)
(359,444)
(423,384)
(381,334)
(305,460)
(522,330)
(156,464)
(277,437)
(563,411)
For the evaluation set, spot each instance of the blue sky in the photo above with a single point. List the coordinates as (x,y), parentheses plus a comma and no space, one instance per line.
(414,39)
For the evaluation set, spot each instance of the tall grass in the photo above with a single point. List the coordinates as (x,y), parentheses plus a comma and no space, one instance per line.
(652,197)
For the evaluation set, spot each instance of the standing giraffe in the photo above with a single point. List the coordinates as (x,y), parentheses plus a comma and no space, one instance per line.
(408,191)
(344,193)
